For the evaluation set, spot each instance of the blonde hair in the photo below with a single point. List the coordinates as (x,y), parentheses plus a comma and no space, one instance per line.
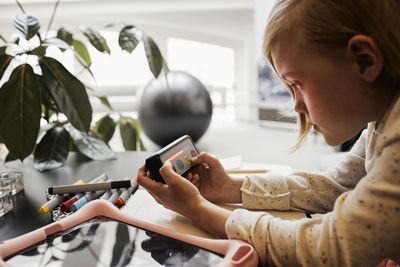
(329,25)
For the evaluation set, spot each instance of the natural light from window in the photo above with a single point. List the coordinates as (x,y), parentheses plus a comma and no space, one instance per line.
(211,64)
(121,67)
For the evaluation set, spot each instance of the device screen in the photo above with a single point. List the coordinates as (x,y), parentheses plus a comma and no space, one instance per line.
(180,156)
(105,242)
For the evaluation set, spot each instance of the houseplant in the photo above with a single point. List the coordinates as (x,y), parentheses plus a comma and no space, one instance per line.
(45,109)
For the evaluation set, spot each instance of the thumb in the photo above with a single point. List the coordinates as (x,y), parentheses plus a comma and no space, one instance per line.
(169,175)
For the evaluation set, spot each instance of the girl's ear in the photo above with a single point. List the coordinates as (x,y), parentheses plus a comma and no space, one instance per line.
(368,60)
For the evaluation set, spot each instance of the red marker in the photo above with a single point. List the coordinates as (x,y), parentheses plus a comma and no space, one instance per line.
(126,193)
(65,206)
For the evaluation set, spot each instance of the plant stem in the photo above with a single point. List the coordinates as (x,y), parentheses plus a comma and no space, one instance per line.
(20,6)
(52,18)
(2,38)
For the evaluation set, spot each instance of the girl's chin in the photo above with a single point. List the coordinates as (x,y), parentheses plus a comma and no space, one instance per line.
(333,141)
(329,139)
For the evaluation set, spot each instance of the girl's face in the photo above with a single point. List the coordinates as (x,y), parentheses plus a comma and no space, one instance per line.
(327,89)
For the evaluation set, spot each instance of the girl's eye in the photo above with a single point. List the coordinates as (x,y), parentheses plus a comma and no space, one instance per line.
(295,86)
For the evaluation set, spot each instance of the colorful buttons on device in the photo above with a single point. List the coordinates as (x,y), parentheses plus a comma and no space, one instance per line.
(187,159)
(180,164)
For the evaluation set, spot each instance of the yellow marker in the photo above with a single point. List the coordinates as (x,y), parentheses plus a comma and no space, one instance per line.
(55,201)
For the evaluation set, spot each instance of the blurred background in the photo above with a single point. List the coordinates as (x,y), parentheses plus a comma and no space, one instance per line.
(217,41)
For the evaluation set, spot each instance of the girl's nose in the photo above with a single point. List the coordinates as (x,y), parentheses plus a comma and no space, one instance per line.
(299,105)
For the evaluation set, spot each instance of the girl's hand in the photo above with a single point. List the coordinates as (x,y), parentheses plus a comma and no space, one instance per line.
(213,181)
(178,194)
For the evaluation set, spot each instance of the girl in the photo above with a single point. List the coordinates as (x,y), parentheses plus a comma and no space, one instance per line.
(340,59)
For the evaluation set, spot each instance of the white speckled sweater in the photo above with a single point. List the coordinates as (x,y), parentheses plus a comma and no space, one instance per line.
(360,199)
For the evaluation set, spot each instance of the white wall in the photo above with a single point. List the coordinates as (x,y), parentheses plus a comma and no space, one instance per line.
(229,23)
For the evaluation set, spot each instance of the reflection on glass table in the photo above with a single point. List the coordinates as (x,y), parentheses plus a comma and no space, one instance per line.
(104,242)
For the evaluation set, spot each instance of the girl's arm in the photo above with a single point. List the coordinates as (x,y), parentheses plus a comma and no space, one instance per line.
(314,192)
(180,195)
(211,218)
(362,229)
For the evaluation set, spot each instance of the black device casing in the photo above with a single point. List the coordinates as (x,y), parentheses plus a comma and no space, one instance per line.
(154,163)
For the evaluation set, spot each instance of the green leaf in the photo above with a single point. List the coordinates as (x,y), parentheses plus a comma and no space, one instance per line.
(20,111)
(121,242)
(65,35)
(57,43)
(44,128)
(10,157)
(129,38)
(153,54)
(27,25)
(53,149)
(47,99)
(105,128)
(105,102)
(142,147)
(4,62)
(3,39)
(96,39)
(68,92)
(39,51)
(90,145)
(129,129)
(64,46)
(3,50)
(81,50)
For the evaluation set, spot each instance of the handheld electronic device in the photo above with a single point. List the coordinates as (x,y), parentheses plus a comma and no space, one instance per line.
(179,153)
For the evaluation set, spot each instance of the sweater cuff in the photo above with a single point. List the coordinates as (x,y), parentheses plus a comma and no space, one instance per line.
(250,227)
(265,192)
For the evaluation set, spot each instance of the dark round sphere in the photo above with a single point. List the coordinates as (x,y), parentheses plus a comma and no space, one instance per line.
(167,113)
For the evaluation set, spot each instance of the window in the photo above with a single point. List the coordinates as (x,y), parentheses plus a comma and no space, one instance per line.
(213,65)
(120,68)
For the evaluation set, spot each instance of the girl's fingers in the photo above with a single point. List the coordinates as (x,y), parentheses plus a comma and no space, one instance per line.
(142,171)
(201,158)
(148,183)
(170,177)
(189,176)
(157,199)
(195,178)
(205,165)
(206,160)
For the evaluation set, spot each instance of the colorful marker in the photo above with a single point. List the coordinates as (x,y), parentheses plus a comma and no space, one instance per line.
(55,201)
(88,197)
(114,196)
(65,206)
(107,194)
(126,193)
(65,189)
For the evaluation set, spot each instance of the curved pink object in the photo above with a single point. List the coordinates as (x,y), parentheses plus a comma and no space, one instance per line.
(237,253)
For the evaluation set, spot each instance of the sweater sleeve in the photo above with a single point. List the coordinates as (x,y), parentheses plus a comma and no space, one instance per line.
(314,192)
(361,230)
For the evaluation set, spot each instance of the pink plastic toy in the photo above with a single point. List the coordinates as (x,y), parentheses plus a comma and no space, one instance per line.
(233,252)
